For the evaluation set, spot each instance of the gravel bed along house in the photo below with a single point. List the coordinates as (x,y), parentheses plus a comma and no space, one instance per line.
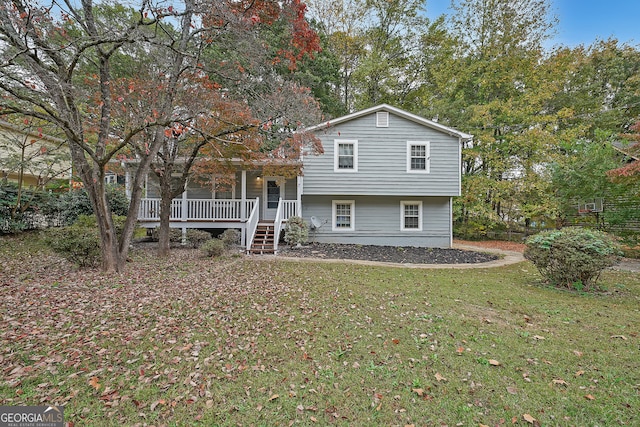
(394,254)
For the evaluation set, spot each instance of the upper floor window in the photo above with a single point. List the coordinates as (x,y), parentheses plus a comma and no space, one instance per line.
(346,156)
(418,156)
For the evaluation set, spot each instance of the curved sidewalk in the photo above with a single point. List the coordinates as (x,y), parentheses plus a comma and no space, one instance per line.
(506,258)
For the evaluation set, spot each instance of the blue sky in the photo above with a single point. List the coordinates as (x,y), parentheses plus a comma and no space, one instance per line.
(582,21)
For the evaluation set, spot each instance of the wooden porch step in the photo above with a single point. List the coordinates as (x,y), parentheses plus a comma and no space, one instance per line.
(263,241)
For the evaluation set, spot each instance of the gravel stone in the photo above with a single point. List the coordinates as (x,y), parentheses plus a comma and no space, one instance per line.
(394,254)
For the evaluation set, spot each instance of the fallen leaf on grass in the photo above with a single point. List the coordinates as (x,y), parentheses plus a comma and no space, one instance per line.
(155,404)
(528,418)
(314,419)
(579,373)
(512,390)
(560,382)
(494,362)
(274,397)
(418,391)
(589,397)
(619,336)
(439,377)
(95,382)
(538,337)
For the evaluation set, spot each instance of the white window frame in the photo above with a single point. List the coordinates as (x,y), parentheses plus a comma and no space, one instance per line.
(110,178)
(336,155)
(405,203)
(382,119)
(334,206)
(427,146)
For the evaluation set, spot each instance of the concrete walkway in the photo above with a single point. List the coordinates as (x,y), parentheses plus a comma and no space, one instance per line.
(506,258)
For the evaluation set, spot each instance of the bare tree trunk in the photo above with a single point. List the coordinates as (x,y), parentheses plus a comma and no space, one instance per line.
(164,233)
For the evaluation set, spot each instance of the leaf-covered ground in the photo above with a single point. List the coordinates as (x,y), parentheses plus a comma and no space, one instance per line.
(195,341)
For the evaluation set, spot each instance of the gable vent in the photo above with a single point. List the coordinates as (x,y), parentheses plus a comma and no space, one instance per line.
(382,119)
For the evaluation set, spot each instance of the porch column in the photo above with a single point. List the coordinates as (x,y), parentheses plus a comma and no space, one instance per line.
(243,205)
(299,195)
(184,204)
(127,180)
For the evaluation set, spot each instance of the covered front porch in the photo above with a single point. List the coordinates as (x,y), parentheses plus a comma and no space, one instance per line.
(262,200)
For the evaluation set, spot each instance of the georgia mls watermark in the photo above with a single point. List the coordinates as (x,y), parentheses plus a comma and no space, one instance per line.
(31,416)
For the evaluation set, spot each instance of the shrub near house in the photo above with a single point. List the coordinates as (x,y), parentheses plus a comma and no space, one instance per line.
(572,257)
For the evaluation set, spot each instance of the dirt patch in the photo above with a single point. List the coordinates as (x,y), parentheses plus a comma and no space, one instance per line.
(493,244)
(394,254)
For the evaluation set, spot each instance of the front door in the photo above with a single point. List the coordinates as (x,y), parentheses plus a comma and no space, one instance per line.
(272,191)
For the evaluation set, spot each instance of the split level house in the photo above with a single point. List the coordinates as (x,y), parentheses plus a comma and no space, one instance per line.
(386,177)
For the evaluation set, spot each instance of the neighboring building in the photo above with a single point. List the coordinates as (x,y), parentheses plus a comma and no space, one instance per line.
(43,157)
(386,177)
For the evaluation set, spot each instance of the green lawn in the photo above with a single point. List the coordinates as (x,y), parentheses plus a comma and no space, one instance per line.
(194,341)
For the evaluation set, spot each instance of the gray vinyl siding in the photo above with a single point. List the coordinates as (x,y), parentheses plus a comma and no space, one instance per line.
(382,160)
(378,221)
(254,186)
(197,190)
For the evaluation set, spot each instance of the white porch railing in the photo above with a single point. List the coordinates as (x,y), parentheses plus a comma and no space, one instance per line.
(252,224)
(198,209)
(286,209)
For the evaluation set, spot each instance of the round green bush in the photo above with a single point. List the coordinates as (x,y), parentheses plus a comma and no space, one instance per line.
(80,242)
(195,237)
(213,248)
(72,204)
(296,232)
(572,257)
(230,237)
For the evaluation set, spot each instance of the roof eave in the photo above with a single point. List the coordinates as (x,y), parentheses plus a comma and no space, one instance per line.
(385,107)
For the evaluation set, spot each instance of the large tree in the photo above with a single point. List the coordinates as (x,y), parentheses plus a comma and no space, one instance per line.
(493,83)
(66,64)
(247,108)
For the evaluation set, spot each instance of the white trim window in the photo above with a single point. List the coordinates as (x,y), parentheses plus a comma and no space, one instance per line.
(345,155)
(343,214)
(418,156)
(411,215)
(382,119)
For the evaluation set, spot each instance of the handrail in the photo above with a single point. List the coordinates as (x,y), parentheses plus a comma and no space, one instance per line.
(286,209)
(196,209)
(252,223)
(277,226)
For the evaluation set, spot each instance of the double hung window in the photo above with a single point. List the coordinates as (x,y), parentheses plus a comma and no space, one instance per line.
(418,157)
(411,215)
(343,215)
(346,156)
